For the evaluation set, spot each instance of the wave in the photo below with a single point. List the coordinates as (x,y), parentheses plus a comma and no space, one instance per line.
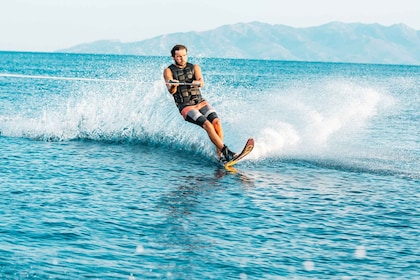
(106,112)
(324,122)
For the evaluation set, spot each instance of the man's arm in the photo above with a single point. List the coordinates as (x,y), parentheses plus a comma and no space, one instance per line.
(199,80)
(167,75)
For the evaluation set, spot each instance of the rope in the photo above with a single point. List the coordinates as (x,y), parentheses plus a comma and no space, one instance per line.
(68,78)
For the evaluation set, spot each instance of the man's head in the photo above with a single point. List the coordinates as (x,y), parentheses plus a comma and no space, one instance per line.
(179,55)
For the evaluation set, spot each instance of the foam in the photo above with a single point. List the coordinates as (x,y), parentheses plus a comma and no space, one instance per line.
(297,121)
(314,120)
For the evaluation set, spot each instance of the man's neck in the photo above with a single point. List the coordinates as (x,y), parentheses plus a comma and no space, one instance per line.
(180,66)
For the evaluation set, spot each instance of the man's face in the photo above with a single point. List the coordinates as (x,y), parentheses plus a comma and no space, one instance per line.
(181,57)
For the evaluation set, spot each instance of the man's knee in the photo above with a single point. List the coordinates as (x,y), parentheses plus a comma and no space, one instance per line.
(207,125)
(213,116)
(216,123)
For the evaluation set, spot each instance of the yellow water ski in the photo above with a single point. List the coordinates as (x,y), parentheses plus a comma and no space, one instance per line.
(246,150)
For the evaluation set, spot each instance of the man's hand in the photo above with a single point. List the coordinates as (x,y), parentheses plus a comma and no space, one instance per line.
(196,84)
(173,82)
(172,86)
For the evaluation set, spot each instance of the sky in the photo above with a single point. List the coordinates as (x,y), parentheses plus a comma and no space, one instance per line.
(50,25)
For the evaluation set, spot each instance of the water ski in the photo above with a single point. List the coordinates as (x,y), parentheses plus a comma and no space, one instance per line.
(246,150)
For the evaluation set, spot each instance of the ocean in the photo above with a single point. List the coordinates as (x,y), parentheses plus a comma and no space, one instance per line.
(102,179)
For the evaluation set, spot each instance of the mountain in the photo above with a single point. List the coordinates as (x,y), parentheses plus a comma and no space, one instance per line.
(332,42)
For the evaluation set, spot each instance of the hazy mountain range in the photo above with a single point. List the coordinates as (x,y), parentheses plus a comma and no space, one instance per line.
(332,42)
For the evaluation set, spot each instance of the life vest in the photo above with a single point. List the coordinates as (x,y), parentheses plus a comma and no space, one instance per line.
(185,95)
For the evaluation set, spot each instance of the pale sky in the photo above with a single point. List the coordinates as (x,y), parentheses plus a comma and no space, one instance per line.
(49,25)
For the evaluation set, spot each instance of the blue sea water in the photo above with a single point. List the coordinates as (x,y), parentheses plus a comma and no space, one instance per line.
(102,179)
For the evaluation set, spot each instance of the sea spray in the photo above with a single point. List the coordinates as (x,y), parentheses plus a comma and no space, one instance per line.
(310,121)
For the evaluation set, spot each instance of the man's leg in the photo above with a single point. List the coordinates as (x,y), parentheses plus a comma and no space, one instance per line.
(214,135)
(217,124)
(215,132)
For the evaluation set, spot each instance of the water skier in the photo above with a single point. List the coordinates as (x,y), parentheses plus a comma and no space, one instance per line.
(184,80)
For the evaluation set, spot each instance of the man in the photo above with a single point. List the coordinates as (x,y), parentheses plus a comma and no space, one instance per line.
(183,81)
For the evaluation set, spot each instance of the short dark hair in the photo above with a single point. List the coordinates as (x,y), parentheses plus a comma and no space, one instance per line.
(177,48)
